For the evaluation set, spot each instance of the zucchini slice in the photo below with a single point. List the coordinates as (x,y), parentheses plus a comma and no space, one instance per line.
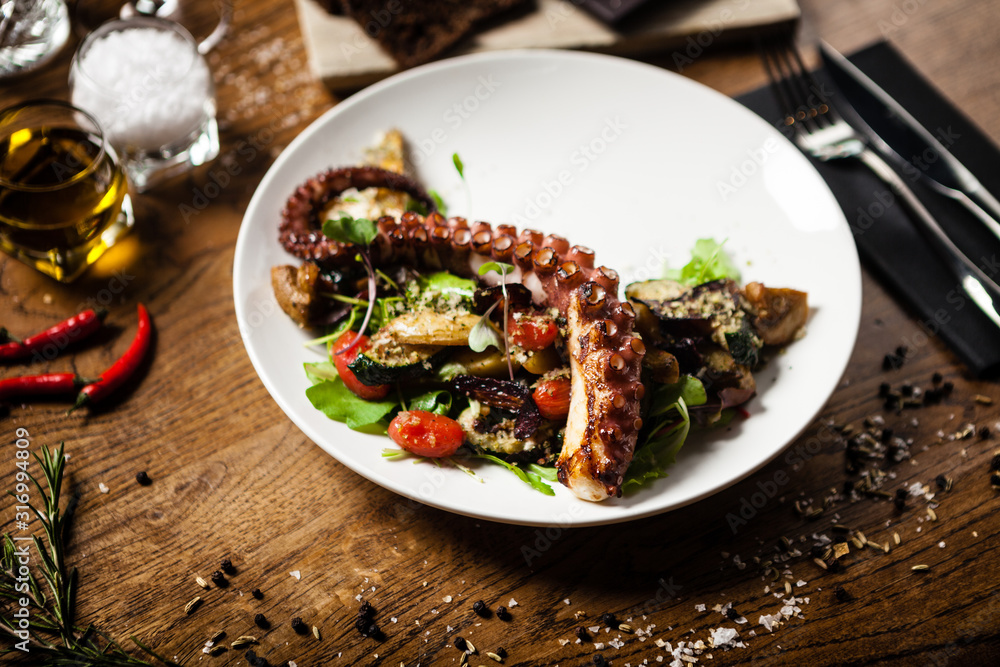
(388,364)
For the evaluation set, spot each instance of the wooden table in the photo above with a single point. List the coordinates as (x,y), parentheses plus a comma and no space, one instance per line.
(233,477)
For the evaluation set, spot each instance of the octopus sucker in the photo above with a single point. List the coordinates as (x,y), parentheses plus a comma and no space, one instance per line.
(605,359)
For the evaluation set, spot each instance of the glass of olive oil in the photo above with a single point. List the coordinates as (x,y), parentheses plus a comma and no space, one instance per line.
(63,195)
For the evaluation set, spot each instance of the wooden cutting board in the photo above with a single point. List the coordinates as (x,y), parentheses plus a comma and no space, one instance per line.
(343,56)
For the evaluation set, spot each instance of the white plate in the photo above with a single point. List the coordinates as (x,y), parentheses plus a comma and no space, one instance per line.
(631,160)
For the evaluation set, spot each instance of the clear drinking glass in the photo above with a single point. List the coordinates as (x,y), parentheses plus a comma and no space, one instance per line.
(151,89)
(31,32)
(63,195)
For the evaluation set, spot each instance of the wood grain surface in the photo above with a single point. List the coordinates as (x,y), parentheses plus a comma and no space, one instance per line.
(232,477)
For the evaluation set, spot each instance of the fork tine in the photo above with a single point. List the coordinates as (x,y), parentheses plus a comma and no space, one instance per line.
(806,107)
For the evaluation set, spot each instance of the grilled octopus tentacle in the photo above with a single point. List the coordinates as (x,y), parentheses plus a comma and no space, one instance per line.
(605,357)
(300,231)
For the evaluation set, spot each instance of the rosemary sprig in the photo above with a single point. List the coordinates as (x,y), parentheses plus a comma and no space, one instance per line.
(51,637)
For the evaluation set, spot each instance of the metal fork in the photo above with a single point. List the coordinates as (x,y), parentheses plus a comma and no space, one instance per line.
(821,132)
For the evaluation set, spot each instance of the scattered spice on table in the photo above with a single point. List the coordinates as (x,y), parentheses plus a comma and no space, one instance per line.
(219,579)
(142,477)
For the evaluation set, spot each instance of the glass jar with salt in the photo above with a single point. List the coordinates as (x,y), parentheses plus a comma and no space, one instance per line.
(150,88)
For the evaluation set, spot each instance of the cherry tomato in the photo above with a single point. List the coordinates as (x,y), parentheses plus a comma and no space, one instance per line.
(341,361)
(552,398)
(532,332)
(426,434)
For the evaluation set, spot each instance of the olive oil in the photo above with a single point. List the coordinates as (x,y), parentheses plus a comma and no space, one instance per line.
(62,196)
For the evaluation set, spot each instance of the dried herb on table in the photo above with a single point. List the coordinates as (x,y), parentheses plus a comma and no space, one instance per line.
(52,636)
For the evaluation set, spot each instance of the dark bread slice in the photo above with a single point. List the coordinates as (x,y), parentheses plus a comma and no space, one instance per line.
(416,31)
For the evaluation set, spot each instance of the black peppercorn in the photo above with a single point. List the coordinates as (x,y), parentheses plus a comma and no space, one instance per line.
(816,551)
(941,481)
(366,610)
(143,478)
(219,579)
(257,594)
(599,661)
(502,613)
(732,614)
(460,643)
(947,387)
(906,389)
(884,389)
(227,566)
(995,481)
(609,620)
(841,593)
(480,608)
(501,651)
(984,432)
(299,627)
(936,378)
(887,434)
(261,621)
(848,487)
(581,634)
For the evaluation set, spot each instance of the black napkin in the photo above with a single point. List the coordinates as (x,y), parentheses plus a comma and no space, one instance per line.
(892,246)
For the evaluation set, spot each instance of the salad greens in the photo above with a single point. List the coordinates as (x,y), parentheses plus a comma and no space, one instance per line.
(708,262)
(668,418)
(361,232)
(671,423)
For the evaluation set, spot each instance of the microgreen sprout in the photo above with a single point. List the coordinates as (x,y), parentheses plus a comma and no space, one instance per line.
(460,168)
(484,334)
(360,232)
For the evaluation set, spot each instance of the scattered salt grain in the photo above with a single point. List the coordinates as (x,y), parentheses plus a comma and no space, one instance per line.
(447,598)
(103,487)
(512,603)
(296,574)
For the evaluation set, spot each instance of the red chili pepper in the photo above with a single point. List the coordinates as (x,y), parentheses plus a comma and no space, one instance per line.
(40,385)
(122,369)
(62,334)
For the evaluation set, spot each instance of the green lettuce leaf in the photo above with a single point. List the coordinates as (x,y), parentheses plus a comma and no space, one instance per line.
(447,283)
(336,401)
(708,262)
(671,426)
(438,402)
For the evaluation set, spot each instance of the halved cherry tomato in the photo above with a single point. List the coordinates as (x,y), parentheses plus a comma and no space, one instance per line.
(341,361)
(426,433)
(552,398)
(532,332)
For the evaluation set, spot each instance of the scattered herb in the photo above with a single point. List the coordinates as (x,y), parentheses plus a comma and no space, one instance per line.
(529,477)
(502,268)
(52,636)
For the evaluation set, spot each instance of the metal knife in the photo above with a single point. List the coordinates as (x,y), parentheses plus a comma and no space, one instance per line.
(914,150)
